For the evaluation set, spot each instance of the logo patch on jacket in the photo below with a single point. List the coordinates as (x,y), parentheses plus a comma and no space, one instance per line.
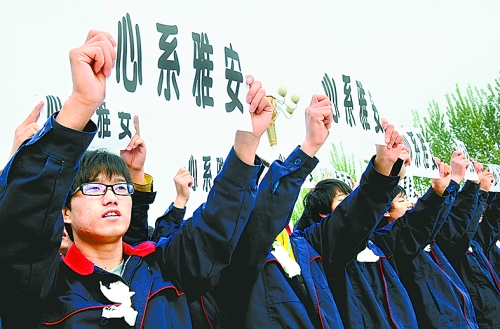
(290,266)
(367,256)
(119,292)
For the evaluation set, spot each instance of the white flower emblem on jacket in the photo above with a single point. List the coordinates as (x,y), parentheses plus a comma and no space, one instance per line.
(119,292)
(290,266)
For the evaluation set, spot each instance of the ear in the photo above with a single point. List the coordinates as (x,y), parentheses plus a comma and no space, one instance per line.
(386,214)
(66,213)
(322,215)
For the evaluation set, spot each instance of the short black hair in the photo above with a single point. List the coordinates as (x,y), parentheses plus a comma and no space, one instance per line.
(319,201)
(397,191)
(94,163)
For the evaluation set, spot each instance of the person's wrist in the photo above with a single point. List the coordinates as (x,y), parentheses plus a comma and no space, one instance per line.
(76,113)
(439,187)
(456,178)
(137,175)
(245,146)
(310,148)
(180,202)
(383,165)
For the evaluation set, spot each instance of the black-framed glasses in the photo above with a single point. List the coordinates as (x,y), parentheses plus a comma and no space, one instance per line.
(97,189)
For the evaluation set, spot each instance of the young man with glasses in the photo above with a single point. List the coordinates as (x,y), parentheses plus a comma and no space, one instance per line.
(102,281)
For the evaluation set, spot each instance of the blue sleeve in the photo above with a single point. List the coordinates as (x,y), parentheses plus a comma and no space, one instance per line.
(194,255)
(138,231)
(274,204)
(489,228)
(460,216)
(409,234)
(168,223)
(339,237)
(453,190)
(464,242)
(33,189)
(277,194)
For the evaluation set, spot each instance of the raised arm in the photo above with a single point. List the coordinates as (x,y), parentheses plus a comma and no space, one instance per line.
(36,181)
(170,221)
(276,197)
(462,210)
(26,129)
(343,234)
(410,233)
(196,253)
(462,244)
(488,231)
(134,156)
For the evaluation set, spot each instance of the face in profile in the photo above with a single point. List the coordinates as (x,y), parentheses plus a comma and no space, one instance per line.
(400,205)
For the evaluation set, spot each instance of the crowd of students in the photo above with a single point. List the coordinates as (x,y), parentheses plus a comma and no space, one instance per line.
(77,251)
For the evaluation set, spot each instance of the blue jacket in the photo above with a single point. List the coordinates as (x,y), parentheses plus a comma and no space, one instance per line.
(204,311)
(241,293)
(341,236)
(138,230)
(276,301)
(438,295)
(372,294)
(66,293)
(494,257)
(488,231)
(472,265)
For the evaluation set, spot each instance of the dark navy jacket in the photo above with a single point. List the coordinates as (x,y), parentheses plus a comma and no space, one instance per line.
(371,293)
(488,231)
(204,311)
(325,247)
(351,224)
(437,293)
(472,265)
(494,257)
(276,301)
(241,292)
(65,293)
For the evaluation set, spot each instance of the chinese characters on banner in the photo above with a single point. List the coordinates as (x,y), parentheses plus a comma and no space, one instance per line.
(185,74)
(115,128)
(422,162)
(204,167)
(353,108)
(409,186)
(470,174)
(176,70)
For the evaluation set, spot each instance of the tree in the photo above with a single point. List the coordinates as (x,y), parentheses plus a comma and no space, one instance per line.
(471,117)
(341,162)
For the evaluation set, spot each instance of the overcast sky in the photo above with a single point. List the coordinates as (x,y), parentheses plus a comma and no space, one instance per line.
(405,54)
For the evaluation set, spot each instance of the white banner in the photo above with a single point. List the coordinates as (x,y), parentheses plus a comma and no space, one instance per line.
(495,169)
(354,111)
(422,161)
(470,174)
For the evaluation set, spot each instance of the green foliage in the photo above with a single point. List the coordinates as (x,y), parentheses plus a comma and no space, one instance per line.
(341,162)
(422,184)
(472,117)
